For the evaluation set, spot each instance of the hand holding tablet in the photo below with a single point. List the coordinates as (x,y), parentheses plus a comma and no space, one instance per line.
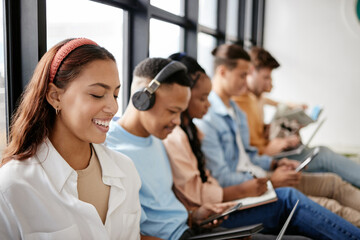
(221,215)
(308,159)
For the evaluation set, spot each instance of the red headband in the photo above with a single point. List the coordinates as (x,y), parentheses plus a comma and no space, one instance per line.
(64,51)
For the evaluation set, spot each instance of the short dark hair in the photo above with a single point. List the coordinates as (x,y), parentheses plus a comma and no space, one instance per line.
(261,58)
(150,67)
(228,55)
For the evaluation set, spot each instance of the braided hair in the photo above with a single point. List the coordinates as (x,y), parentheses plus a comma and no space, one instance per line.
(192,134)
(188,126)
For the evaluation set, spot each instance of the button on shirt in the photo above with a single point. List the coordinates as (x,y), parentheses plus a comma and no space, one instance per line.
(39,199)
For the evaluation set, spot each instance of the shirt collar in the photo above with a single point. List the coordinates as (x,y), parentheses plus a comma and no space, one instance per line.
(218,106)
(59,171)
(55,167)
(108,165)
(117,130)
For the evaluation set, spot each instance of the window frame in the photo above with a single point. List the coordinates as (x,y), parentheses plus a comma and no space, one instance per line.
(25,36)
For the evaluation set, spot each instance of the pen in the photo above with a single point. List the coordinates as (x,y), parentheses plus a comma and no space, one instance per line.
(252,174)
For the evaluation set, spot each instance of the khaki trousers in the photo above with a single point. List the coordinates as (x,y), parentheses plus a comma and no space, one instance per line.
(331,192)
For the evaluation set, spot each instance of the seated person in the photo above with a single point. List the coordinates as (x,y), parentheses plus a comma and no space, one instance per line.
(226,150)
(56,181)
(326,189)
(137,134)
(259,81)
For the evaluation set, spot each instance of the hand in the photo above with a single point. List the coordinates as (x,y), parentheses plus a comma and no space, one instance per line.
(276,146)
(297,105)
(290,164)
(293,141)
(254,187)
(208,209)
(284,177)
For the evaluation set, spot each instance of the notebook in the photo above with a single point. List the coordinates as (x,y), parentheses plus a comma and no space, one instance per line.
(301,147)
(303,117)
(268,197)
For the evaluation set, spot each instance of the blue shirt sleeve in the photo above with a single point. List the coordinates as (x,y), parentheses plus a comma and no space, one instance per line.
(263,161)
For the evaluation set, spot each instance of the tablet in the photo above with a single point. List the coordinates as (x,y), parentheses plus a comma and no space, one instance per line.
(223,214)
(307,160)
(231,233)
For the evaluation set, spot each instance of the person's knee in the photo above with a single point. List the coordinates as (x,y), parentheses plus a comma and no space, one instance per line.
(323,157)
(332,178)
(325,150)
(289,195)
(330,204)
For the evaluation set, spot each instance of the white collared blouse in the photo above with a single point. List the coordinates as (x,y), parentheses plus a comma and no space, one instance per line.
(39,199)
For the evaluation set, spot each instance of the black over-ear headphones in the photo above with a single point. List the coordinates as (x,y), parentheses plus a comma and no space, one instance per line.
(144,99)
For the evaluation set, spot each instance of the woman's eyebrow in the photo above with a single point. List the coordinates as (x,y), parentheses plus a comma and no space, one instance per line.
(107,87)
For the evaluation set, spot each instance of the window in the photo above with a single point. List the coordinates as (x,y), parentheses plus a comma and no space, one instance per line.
(2,85)
(208,13)
(173,6)
(232,18)
(248,25)
(98,22)
(130,30)
(206,43)
(165,38)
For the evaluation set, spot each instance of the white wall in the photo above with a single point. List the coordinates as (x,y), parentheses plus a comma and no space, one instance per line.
(320,63)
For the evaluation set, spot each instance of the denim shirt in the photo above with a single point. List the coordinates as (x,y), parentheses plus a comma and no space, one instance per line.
(219,143)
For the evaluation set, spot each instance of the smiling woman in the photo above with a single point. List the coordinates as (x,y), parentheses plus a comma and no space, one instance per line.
(107,27)
(53,152)
(86,107)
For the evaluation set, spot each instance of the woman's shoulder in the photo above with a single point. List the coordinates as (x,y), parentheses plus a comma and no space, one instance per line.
(121,160)
(176,136)
(15,171)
